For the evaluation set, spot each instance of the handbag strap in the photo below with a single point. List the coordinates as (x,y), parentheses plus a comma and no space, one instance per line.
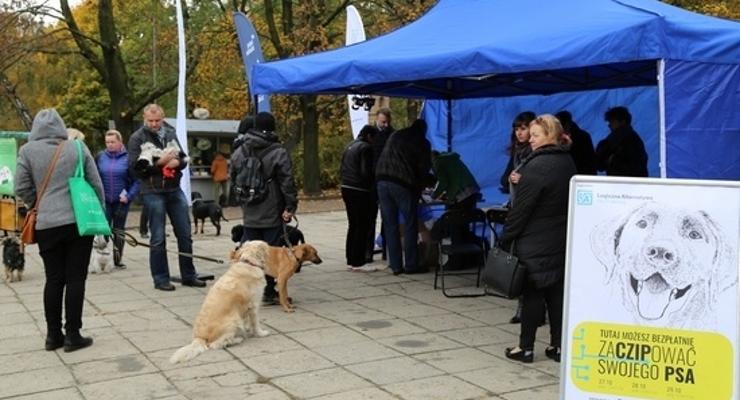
(79,171)
(48,174)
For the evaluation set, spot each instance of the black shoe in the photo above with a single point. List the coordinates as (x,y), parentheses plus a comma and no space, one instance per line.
(54,341)
(194,283)
(553,353)
(515,353)
(515,319)
(74,341)
(415,271)
(120,266)
(398,272)
(144,235)
(167,287)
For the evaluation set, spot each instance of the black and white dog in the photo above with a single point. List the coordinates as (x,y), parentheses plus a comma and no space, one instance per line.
(13,259)
(203,209)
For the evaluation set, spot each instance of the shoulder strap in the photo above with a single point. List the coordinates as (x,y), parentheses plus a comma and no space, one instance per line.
(48,174)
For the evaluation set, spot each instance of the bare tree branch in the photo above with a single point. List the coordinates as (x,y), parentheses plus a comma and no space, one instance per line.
(85,50)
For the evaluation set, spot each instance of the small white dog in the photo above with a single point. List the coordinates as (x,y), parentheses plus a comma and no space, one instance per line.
(231,304)
(102,254)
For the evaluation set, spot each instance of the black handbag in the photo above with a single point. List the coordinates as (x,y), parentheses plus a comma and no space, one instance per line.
(503,273)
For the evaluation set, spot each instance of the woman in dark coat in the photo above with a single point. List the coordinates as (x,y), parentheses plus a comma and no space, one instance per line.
(537,224)
(519,148)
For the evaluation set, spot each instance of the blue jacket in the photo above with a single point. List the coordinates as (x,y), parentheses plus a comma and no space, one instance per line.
(116,176)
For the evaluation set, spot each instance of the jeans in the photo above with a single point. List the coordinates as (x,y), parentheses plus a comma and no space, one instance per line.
(66,256)
(174,205)
(395,199)
(273,237)
(116,213)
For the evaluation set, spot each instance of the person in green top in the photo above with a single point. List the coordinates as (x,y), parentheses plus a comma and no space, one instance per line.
(456,185)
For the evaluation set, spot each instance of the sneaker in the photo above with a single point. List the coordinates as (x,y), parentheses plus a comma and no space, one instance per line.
(364,268)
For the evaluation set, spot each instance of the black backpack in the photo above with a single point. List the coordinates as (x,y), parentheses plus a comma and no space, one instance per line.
(251,184)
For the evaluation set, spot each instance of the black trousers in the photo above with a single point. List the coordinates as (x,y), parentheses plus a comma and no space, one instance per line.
(359,206)
(66,256)
(273,237)
(533,308)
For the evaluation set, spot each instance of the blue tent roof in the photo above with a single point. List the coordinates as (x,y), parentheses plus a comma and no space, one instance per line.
(487,48)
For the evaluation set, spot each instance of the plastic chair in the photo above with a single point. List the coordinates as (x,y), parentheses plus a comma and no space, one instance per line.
(454,224)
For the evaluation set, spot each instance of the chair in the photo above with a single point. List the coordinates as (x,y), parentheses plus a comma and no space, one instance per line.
(467,230)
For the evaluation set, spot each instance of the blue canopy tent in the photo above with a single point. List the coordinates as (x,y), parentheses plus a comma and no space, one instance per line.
(683,68)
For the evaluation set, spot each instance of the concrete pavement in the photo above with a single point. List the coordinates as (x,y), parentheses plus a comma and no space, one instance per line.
(354,336)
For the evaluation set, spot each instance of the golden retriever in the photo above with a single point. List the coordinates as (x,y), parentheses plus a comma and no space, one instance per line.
(670,264)
(233,301)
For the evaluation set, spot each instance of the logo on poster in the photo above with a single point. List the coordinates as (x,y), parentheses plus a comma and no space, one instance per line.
(584,197)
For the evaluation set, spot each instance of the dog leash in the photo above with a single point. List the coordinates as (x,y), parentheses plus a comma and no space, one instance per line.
(286,237)
(131,240)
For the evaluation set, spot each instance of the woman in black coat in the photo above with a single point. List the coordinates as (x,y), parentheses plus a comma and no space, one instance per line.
(537,224)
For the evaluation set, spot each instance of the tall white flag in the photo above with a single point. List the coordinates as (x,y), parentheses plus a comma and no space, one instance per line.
(181,124)
(355,33)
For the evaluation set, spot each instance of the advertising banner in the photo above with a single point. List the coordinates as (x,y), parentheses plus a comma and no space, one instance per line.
(355,33)
(651,295)
(7,166)
(251,50)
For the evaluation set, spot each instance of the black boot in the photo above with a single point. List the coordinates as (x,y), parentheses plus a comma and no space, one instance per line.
(74,341)
(54,340)
(517,318)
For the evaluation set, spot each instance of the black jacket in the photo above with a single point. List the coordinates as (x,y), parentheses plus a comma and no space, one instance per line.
(582,150)
(622,153)
(152,179)
(538,219)
(379,141)
(406,160)
(278,168)
(357,170)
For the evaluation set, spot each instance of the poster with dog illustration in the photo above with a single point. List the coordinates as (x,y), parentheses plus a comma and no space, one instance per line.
(651,294)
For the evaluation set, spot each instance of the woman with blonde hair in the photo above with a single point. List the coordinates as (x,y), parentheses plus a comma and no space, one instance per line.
(536,225)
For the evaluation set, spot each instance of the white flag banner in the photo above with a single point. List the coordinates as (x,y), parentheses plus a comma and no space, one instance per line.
(181,124)
(355,33)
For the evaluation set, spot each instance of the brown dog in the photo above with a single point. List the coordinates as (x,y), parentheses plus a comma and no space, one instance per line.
(282,262)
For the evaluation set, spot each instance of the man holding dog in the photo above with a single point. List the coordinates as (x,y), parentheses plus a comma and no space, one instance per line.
(264,220)
(160,189)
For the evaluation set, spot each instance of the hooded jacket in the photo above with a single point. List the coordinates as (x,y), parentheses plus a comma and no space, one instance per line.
(406,160)
(116,176)
(34,158)
(278,169)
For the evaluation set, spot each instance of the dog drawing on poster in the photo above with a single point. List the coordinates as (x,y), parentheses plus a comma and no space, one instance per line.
(669,265)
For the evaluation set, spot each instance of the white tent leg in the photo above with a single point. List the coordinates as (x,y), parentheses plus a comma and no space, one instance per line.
(661,117)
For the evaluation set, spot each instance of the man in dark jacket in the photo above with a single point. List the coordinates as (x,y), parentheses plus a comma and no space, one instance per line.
(581,147)
(400,173)
(264,220)
(156,157)
(358,180)
(622,153)
(383,122)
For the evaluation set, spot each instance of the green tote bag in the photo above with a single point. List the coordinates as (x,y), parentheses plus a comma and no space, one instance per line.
(89,213)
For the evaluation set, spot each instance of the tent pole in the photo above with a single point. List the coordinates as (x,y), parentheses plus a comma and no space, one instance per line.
(256,105)
(661,117)
(449,124)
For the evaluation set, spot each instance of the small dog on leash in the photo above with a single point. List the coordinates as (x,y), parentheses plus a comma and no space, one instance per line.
(13,259)
(203,209)
(102,254)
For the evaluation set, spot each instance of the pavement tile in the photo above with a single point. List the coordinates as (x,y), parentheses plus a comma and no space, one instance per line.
(58,394)
(360,292)
(153,340)
(291,322)
(21,344)
(546,392)
(271,344)
(11,307)
(28,361)
(444,322)
(479,336)
(317,383)
(287,363)
(401,369)
(357,352)
(112,368)
(149,386)
(16,330)
(421,343)
(457,360)
(327,336)
(359,394)
(103,347)
(34,381)
(161,359)
(437,388)
(504,376)
(17,318)
(210,370)
(384,328)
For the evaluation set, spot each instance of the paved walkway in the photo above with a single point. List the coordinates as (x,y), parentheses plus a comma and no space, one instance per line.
(354,336)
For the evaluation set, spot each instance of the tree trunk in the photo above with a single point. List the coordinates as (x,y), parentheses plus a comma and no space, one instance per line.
(311,164)
(18,104)
(412,110)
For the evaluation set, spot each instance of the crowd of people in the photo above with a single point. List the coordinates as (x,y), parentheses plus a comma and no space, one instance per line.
(382,169)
